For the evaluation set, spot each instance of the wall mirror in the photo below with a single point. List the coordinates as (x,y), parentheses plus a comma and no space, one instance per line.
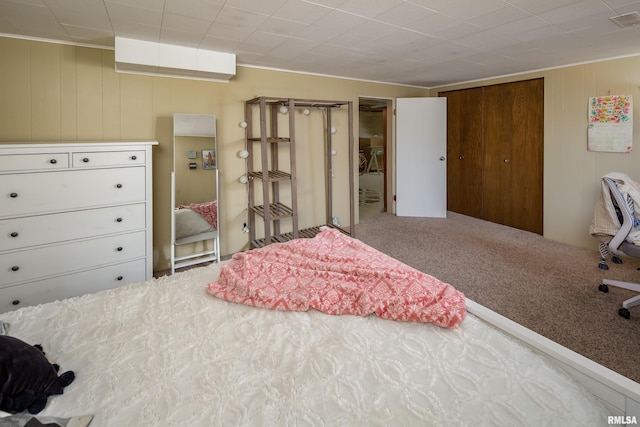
(194,191)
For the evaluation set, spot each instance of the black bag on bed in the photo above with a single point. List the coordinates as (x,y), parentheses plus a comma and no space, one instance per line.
(27,378)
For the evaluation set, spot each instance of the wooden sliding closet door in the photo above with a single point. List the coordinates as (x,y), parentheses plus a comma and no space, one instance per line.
(513,160)
(464,151)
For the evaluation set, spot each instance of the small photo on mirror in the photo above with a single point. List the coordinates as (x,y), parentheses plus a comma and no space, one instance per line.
(209,159)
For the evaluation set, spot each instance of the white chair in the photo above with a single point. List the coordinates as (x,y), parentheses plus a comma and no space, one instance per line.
(375,152)
(618,246)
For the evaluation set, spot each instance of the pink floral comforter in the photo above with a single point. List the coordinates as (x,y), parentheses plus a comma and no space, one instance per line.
(337,274)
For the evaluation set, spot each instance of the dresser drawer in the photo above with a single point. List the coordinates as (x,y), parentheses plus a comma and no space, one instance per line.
(40,161)
(67,286)
(24,194)
(51,260)
(18,233)
(108,158)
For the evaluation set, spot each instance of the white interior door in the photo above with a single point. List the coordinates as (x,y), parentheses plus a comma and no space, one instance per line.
(421,166)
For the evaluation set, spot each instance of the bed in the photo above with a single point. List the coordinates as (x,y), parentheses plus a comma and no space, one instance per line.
(167,352)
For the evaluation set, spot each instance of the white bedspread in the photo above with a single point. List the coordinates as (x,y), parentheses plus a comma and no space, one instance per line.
(164,353)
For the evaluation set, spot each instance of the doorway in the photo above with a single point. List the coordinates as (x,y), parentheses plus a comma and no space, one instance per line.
(373,158)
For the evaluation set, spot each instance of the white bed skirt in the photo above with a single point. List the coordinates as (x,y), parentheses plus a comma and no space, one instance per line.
(165,353)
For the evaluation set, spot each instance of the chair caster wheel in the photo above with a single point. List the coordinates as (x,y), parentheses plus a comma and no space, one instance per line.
(603,265)
(616,260)
(603,288)
(623,312)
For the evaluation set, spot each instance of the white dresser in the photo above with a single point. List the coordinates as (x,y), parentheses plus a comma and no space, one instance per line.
(75,218)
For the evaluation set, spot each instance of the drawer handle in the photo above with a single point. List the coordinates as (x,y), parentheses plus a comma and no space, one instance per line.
(15,302)
(85,160)
(13,195)
(118,219)
(14,234)
(53,161)
(134,157)
(119,278)
(15,268)
(119,249)
(118,185)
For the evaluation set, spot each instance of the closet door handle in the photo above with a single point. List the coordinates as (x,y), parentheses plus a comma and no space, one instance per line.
(53,161)
(461,157)
(14,234)
(442,158)
(118,185)
(15,268)
(119,278)
(507,160)
(13,195)
(118,219)
(119,248)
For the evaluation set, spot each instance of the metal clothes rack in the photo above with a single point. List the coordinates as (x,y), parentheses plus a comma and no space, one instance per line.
(267,178)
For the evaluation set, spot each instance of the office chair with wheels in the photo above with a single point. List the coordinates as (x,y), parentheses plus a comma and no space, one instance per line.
(619,246)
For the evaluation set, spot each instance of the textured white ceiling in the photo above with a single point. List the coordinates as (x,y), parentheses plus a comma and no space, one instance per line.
(416,42)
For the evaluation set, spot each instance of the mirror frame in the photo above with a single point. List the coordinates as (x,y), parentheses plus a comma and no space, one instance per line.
(195,125)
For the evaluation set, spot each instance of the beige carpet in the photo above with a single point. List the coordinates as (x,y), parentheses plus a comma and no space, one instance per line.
(546,286)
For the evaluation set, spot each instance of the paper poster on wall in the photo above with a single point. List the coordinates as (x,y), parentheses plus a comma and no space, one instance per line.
(610,124)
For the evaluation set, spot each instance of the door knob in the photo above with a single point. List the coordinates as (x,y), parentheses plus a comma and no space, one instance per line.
(507,160)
